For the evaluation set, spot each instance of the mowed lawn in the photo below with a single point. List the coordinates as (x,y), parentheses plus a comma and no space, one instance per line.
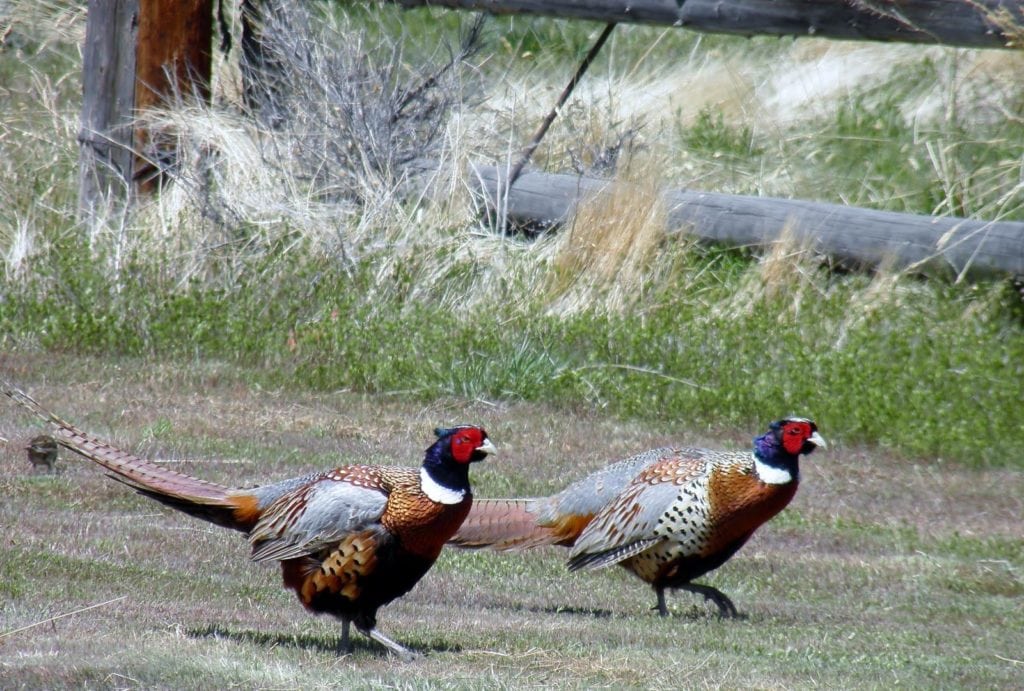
(884,572)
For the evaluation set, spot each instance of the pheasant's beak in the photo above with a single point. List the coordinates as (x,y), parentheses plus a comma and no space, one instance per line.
(817,440)
(487,447)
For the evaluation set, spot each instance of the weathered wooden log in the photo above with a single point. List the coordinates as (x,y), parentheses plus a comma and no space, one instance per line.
(853,236)
(966,23)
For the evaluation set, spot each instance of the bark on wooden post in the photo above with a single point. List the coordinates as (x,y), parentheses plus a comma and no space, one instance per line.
(137,54)
(108,94)
(173,58)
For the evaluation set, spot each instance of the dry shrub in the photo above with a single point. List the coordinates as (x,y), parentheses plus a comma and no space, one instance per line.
(322,161)
(354,111)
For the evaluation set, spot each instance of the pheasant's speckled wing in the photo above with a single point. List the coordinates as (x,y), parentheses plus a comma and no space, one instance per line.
(629,523)
(320,513)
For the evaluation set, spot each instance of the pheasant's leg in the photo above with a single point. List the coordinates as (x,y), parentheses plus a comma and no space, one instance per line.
(398,649)
(345,645)
(661,606)
(726,609)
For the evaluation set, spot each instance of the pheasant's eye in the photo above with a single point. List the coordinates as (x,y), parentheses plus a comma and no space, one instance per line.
(464,443)
(798,429)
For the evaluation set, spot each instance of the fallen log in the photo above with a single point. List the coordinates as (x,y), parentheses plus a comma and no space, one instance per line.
(936,245)
(965,23)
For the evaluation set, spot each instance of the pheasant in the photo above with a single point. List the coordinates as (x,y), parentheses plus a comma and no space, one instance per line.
(42,452)
(349,540)
(667,515)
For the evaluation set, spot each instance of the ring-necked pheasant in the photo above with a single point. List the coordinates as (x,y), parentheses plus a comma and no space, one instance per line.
(667,515)
(349,540)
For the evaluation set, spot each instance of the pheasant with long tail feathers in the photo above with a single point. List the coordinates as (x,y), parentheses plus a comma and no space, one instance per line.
(667,515)
(349,540)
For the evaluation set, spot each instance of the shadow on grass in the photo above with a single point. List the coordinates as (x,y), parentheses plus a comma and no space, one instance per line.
(693,613)
(324,644)
(576,611)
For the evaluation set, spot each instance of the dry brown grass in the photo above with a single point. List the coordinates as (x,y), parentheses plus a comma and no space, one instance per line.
(786,275)
(611,251)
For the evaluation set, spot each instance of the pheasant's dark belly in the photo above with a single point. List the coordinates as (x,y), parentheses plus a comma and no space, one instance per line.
(666,564)
(385,585)
(349,592)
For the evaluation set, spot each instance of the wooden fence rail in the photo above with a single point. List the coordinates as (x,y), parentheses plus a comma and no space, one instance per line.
(966,23)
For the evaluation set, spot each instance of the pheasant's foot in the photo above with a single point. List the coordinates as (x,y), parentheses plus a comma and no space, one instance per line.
(726,609)
(399,650)
(661,606)
(345,644)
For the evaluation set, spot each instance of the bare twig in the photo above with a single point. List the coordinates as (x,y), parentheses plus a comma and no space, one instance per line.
(61,616)
(542,130)
(644,370)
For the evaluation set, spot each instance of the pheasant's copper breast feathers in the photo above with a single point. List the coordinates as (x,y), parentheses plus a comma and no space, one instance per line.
(423,526)
(742,503)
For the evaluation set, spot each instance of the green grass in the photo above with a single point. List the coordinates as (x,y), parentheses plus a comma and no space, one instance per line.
(926,370)
(859,583)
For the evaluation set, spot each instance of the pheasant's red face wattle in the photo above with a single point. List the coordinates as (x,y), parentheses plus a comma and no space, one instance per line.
(794,434)
(465,442)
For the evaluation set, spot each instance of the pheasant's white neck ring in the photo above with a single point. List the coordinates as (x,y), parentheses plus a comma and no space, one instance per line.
(770,474)
(439,493)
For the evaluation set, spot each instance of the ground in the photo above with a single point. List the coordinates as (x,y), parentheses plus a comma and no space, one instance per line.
(884,571)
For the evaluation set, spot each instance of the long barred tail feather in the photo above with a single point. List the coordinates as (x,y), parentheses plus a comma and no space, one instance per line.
(504,525)
(207,500)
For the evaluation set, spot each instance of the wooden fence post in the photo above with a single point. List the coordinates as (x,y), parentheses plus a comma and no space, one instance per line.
(137,55)
(105,136)
(174,59)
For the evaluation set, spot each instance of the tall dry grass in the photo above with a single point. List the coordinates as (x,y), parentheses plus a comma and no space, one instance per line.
(326,168)
(609,252)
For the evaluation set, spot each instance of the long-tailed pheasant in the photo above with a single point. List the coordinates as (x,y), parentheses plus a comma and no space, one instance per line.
(349,540)
(667,515)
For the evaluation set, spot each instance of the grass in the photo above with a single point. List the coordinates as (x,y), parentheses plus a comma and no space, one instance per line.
(861,582)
